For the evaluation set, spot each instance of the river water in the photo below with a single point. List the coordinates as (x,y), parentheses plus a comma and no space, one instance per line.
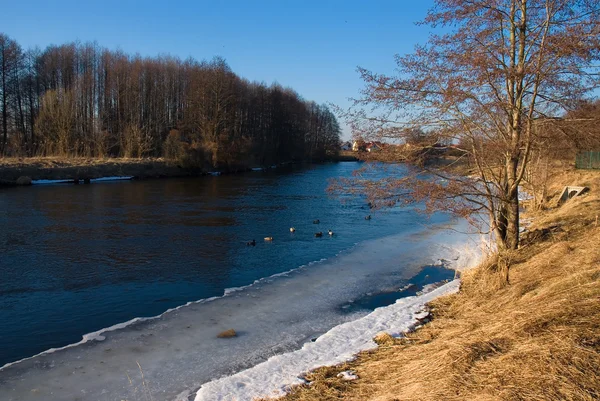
(79,259)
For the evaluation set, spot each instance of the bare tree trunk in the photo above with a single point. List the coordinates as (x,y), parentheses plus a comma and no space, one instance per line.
(31,150)
(512,227)
(4,100)
(511,240)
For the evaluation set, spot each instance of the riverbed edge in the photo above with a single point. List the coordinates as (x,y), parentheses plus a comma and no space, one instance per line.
(25,171)
(492,332)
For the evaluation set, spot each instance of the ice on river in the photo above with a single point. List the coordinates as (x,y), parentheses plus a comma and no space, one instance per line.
(273,377)
(69,181)
(174,354)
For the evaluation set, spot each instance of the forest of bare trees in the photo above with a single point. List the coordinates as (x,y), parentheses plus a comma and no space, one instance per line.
(81,100)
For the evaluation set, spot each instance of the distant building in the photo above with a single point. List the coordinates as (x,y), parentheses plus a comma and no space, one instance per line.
(346,146)
(374,146)
(359,145)
(362,146)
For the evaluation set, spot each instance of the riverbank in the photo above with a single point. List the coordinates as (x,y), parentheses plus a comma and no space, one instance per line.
(346,156)
(535,338)
(22,171)
(54,168)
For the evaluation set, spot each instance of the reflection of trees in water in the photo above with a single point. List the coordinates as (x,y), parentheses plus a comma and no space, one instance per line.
(135,231)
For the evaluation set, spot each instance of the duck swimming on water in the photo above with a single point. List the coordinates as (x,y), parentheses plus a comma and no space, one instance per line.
(269,239)
(319,234)
(251,243)
(292,230)
(316,221)
(330,233)
(368,217)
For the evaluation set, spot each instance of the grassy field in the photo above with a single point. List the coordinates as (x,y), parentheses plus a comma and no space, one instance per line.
(536,338)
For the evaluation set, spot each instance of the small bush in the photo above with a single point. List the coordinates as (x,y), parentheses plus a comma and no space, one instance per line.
(174,147)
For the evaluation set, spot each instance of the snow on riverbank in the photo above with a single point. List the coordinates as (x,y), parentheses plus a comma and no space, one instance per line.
(272,377)
(179,351)
(340,344)
(70,181)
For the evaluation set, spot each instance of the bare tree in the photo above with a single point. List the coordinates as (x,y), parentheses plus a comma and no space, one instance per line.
(10,59)
(496,69)
(56,123)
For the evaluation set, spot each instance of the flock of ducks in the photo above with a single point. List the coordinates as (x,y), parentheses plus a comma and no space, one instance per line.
(318,234)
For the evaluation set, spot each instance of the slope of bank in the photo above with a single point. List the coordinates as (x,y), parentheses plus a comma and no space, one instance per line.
(21,171)
(536,338)
(54,168)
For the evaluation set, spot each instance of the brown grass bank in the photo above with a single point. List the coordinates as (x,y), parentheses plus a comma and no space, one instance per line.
(56,168)
(537,338)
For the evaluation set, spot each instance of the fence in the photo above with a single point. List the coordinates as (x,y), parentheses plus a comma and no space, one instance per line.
(588,160)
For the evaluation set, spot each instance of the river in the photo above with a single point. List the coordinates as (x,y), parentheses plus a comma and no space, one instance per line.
(77,259)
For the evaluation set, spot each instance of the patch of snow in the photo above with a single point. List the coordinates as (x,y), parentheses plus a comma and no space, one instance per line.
(428,288)
(46,182)
(183,396)
(274,376)
(422,314)
(71,180)
(524,195)
(347,375)
(115,178)
(470,254)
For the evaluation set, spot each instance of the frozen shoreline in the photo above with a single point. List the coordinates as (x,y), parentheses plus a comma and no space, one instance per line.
(92,180)
(98,335)
(275,376)
(340,344)
(178,350)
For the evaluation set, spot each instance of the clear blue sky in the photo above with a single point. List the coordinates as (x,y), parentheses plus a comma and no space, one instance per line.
(311,46)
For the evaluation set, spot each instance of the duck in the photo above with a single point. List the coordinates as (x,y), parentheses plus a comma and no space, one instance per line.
(316,221)
(251,243)
(268,239)
(330,233)
(319,234)
(368,217)
(292,230)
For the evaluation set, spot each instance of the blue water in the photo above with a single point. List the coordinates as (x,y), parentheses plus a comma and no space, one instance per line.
(385,297)
(76,259)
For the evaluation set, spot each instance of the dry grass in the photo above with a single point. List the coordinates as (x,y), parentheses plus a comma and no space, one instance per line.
(73,167)
(55,161)
(537,338)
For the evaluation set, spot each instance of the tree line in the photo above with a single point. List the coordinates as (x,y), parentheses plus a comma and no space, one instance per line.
(83,100)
